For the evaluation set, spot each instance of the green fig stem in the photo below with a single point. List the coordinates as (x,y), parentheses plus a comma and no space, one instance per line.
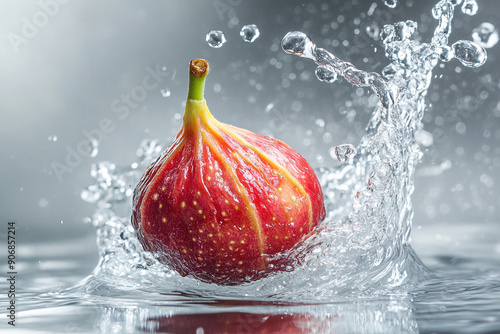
(198,70)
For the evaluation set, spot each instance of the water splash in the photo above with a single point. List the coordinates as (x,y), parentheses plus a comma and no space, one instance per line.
(300,44)
(249,33)
(363,245)
(215,38)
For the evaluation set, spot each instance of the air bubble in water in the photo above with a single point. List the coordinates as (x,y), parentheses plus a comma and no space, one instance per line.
(249,33)
(298,43)
(469,53)
(391,3)
(469,7)
(216,38)
(344,152)
(52,138)
(326,74)
(165,92)
(486,35)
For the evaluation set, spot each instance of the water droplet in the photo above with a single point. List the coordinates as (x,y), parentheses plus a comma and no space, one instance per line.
(486,35)
(94,147)
(460,128)
(326,74)
(165,92)
(91,194)
(62,222)
(445,53)
(233,21)
(469,53)
(344,152)
(298,43)
(391,3)
(148,149)
(52,138)
(373,31)
(43,203)
(320,122)
(216,38)
(269,107)
(423,137)
(249,33)
(469,7)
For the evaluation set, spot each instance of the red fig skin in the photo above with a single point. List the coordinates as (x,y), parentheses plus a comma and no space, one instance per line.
(220,199)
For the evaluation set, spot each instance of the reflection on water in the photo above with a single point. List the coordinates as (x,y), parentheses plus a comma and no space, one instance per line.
(375,316)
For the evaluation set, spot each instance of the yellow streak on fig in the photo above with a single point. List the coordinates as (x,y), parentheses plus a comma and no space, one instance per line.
(198,109)
(241,189)
(271,162)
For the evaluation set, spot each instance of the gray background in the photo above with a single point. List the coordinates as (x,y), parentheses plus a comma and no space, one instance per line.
(61,79)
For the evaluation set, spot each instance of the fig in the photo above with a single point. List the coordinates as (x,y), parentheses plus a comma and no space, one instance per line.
(221,201)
